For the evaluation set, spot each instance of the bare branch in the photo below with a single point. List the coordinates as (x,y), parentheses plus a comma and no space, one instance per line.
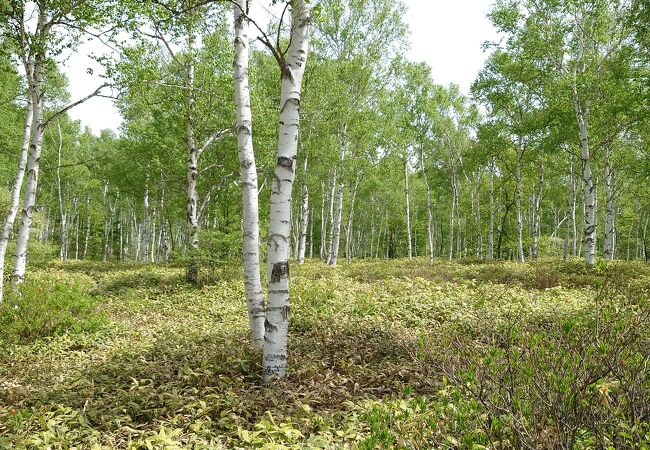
(216,136)
(72,105)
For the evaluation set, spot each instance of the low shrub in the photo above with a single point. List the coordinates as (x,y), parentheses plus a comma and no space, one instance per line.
(45,309)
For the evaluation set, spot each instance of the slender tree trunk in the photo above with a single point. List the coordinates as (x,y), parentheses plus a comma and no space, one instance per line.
(144,245)
(323,223)
(87,233)
(8,224)
(609,249)
(338,213)
(304,217)
(567,233)
(248,174)
(582,115)
(33,164)
(332,198)
(408,206)
(429,207)
(311,233)
(537,216)
(452,212)
(490,249)
(349,235)
(76,231)
(192,272)
(520,225)
(336,229)
(62,212)
(274,359)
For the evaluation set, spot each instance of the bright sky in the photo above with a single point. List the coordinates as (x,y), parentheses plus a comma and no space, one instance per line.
(446,34)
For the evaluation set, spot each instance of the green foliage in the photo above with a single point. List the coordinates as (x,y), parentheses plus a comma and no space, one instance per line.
(46,308)
(383,355)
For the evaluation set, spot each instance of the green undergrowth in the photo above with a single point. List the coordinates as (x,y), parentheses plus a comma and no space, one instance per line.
(383,354)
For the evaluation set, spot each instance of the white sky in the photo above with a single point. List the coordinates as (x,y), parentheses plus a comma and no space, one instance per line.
(446,34)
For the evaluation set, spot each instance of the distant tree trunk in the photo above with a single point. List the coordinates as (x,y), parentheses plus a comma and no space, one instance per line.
(408,205)
(490,249)
(248,172)
(76,229)
(572,206)
(63,230)
(330,229)
(144,243)
(323,222)
(311,233)
(349,236)
(429,207)
(8,224)
(582,112)
(479,232)
(567,233)
(338,212)
(537,215)
(452,212)
(609,246)
(336,229)
(520,225)
(87,233)
(274,359)
(304,217)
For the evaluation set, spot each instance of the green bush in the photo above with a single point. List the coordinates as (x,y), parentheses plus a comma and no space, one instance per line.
(43,309)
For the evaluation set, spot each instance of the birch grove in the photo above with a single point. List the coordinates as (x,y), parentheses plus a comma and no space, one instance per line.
(361,154)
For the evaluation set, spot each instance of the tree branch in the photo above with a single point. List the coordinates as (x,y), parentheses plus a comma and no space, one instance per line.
(216,136)
(72,105)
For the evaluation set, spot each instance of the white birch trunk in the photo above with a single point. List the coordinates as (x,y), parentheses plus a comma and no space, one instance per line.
(304,217)
(331,198)
(408,206)
(336,228)
(582,112)
(335,234)
(323,223)
(452,211)
(520,224)
(144,245)
(33,164)
(248,175)
(537,216)
(349,235)
(490,249)
(8,224)
(274,359)
(429,207)
(609,206)
(192,272)
(63,215)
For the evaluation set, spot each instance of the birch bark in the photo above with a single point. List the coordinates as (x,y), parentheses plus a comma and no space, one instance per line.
(8,223)
(408,206)
(248,175)
(520,224)
(274,359)
(33,163)
(304,216)
(609,248)
(490,249)
(429,208)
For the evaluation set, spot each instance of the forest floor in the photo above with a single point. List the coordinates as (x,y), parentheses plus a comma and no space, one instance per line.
(383,354)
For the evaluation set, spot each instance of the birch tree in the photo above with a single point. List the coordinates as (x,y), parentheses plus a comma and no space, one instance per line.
(248,175)
(292,66)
